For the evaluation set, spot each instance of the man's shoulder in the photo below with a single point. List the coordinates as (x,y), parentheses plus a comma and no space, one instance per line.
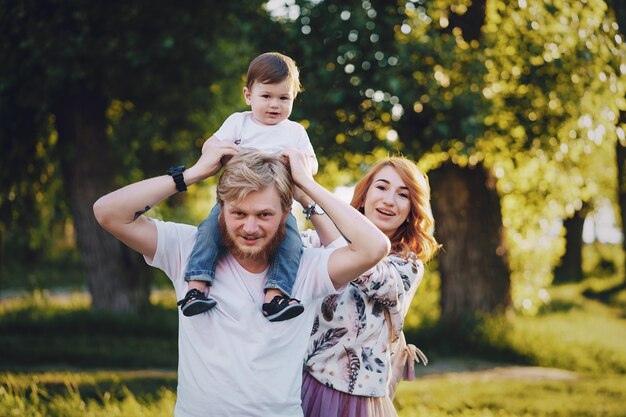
(317,250)
(313,258)
(173,225)
(174,230)
(313,279)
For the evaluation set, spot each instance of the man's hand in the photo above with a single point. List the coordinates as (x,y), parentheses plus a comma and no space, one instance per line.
(215,153)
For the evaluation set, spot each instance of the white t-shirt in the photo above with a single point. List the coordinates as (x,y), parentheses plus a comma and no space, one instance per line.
(271,139)
(232,360)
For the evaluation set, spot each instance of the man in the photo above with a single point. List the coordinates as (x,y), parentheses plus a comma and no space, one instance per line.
(232,361)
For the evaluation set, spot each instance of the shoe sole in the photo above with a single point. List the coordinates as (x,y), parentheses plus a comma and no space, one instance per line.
(198,307)
(287,313)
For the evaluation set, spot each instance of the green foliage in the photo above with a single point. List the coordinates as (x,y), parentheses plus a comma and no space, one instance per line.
(425,309)
(46,271)
(166,74)
(479,394)
(571,332)
(531,89)
(557,87)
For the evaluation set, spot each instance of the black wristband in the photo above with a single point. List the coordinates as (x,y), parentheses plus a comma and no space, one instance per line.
(177,175)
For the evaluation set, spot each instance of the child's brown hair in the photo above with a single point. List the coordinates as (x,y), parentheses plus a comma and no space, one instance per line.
(274,68)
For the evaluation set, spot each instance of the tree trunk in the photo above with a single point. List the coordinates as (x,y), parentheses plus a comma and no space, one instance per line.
(571,267)
(474,271)
(116,278)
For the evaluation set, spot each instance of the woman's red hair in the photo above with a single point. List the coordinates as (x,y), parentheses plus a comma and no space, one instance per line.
(415,235)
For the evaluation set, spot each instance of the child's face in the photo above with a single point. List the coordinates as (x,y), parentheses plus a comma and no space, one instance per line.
(270,103)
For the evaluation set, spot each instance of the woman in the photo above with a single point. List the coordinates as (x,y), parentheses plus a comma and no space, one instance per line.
(347,364)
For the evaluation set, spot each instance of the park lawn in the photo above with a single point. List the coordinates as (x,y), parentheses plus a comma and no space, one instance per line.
(473,394)
(574,331)
(88,394)
(41,336)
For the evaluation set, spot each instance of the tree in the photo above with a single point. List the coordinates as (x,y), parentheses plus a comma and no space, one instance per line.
(387,81)
(471,85)
(474,272)
(553,77)
(68,65)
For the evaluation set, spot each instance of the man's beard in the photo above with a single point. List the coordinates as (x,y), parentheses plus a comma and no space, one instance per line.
(264,254)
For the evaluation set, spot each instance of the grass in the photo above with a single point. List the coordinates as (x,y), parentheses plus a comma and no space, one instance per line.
(573,332)
(42,331)
(480,396)
(88,394)
(582,329)
(61,271)
(59,358)
(152,393)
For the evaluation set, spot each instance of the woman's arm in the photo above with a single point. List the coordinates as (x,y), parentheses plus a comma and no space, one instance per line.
(367,245)
(325,228)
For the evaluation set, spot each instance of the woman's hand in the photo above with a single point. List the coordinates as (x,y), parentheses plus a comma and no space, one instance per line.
(300,196)
(300,166)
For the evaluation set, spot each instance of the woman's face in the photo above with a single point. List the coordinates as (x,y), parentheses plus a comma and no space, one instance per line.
(387,202)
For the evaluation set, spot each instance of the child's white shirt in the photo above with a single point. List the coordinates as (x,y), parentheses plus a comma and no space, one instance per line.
(267,138)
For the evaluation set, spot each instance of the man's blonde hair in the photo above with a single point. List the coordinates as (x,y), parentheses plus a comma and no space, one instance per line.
(252,170)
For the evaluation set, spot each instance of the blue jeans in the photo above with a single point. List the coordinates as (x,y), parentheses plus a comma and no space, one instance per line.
(208,249)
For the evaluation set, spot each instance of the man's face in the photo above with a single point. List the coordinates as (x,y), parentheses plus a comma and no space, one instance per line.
(253,228)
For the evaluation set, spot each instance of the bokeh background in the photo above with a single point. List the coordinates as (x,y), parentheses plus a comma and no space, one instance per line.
(515,109)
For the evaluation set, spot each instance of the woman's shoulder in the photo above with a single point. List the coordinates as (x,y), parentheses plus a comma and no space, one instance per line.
(409,259)
(408,264)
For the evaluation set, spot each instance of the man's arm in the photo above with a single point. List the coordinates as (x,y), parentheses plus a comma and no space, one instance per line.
(367,245)
(120,212)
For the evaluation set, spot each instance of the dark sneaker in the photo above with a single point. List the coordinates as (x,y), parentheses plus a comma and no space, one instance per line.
(280,308)
(195,302)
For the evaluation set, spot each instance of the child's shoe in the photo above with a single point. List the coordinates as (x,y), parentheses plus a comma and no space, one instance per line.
(195,302)
(280,308)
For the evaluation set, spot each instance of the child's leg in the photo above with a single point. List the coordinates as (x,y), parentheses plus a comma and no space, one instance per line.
(205,253)
(201,266)
(282,276)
